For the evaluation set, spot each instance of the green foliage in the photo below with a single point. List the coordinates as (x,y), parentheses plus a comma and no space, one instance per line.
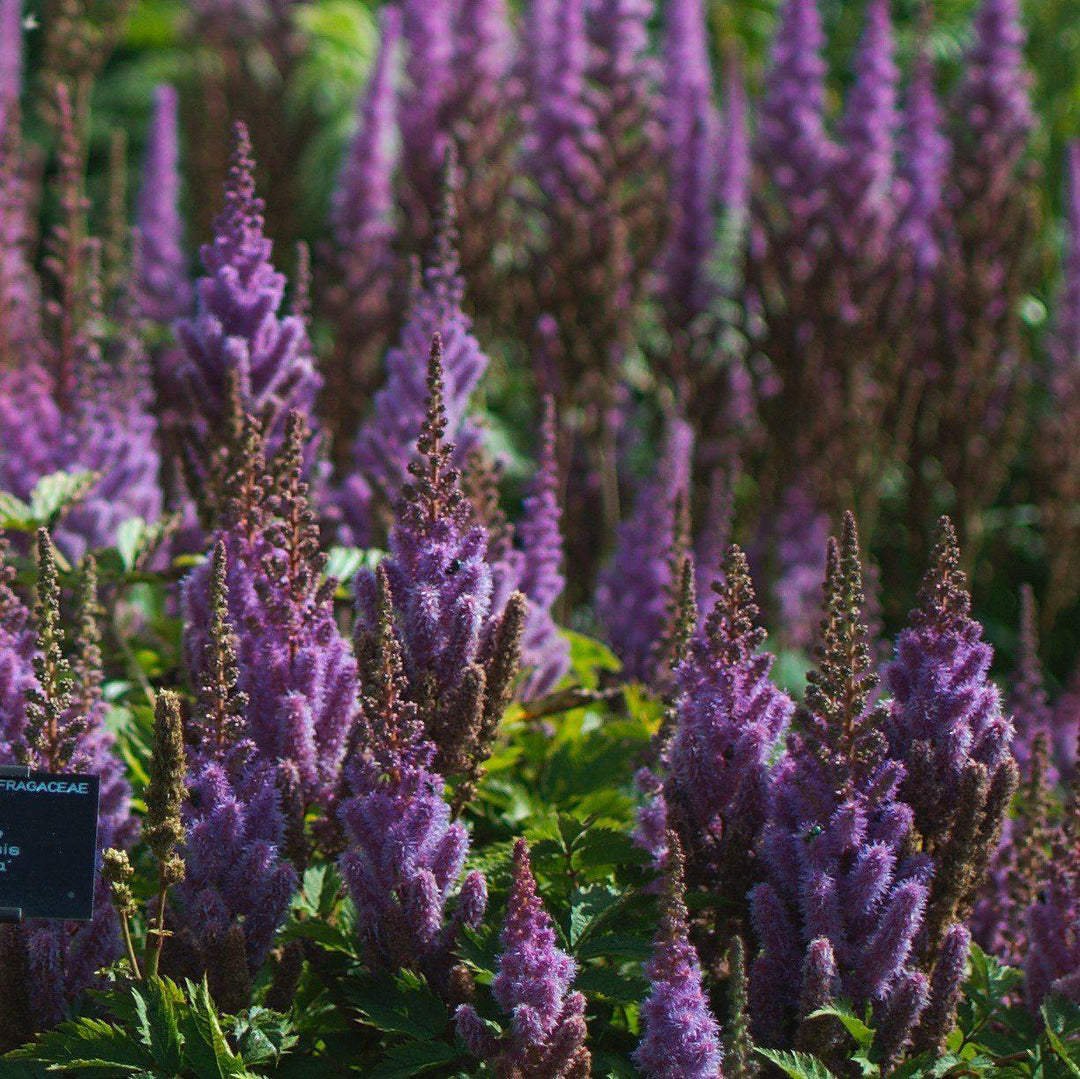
(161,1030)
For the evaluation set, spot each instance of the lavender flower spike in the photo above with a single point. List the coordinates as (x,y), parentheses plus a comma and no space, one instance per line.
(864,175)
(835,852)
(682,1037)
(729,719)
(546,1038)
(164,288)
(792,141)
(924,158)
(544,651)
(385,442)
(236,332)
(634,592)
(404,855)
(11,58)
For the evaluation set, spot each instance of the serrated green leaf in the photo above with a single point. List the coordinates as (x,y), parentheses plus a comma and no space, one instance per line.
(855,1026)
(57,491)
(15,514)
(797,1065)
(88,1043)
(205,1049)
(1060,1024)
(156,1009)
(413,1058)
(399,1005)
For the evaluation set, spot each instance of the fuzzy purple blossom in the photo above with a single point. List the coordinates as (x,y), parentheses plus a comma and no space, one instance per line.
(385,443)
(235,871)
(634,593)
(836,850)
(681,1036)
(296,668)
(863,175)
(945,710)
(16,660)
(404,854)
(793,145)
(425,103)
(734,147)
(164,286)
(924,161)
(1052,961)
(546,1035)
(545,652)
(236,333)
(11,58)
(1028,702)
(729,719)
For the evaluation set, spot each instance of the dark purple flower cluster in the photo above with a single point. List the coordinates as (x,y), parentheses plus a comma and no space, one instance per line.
(546,1036)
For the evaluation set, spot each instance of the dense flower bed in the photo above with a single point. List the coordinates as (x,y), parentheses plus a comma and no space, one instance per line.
(412,605)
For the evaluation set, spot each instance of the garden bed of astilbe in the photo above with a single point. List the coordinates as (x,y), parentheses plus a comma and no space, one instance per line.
(591,587)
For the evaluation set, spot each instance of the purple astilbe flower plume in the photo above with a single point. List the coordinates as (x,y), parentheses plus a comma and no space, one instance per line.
(16,660)
(946,984)
(404,855)
(793,146)
(1059,467)
(835,852)
(236,879)
(295,667)
(426,101)
(946,727)
(385,443)
(735,154)
(546,1037)
(11,59)
(797,537)
(545,653)
(164,287)
(1028,702)
(980,359)
(1051,961)
(633,596)
(362,293)
(924,161)
(863,176)
(236,337)
(681,1035)
(20,303)
(460,654)
(45,966)
(729,719)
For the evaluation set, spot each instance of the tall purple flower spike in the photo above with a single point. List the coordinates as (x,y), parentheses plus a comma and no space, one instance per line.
(1066,341)
(924,162)
(426,100)
(563,138)
(437,568)
(236,873)
(835,852)
(993,100)
(404,855)
(61,958)
(634,593)
(11,58)
(108,429)
(681,1036)
(546,1035)
(363,202)
(735,144)
(17,648)
(793,145)
(236,331)
(945,710)
(545,653)
(386,441)
(1028,702)
(164,286)
(729,719)
(296,668)
(863,177)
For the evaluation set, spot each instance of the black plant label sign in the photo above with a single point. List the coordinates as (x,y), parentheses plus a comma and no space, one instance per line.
(48,845)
